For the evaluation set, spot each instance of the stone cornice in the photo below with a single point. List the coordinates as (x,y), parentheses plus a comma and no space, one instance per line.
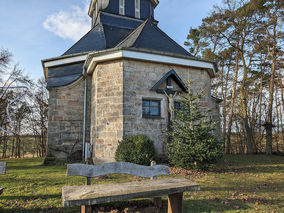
(92,58)
(146,55)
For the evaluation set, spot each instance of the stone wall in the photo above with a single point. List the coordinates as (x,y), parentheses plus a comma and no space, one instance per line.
(114,108)
(139,78)
(107,110)
(65,123)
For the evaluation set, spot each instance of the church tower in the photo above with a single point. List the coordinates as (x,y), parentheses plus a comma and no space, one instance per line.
(138,9)
(112,82)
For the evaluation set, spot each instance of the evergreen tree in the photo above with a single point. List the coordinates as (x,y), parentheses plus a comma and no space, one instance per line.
(191,143)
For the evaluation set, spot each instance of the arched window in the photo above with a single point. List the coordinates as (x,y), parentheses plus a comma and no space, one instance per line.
(121,7)
(137,8)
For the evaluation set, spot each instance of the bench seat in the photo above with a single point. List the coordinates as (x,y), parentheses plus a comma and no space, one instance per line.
(105,193)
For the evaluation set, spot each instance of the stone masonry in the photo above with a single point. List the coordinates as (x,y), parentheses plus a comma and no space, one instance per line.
(118,88)
(136,88)
(106,110)
(65,122)
(114,108)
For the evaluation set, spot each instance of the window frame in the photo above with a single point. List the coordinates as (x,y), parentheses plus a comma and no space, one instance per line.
(137,9)
(121,6)
(150,101)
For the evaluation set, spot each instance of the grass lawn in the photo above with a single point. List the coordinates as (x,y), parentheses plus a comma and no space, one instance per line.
(238,184)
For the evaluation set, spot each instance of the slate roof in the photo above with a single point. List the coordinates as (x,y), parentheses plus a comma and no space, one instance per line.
(149,36)
(114,32)
(64,75)
(105,35)
(101,37)
(93,40)
(146,36)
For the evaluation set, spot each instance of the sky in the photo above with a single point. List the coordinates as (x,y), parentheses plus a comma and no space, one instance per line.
(33,30)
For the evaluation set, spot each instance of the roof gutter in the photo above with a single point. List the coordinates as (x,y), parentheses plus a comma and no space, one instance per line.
(84,154)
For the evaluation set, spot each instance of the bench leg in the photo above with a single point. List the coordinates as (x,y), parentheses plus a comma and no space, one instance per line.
(86,209)
(175,203)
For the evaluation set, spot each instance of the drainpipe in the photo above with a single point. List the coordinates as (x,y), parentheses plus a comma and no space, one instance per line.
(84,154)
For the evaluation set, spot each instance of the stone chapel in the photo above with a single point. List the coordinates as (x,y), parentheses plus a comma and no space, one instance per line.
(112,83)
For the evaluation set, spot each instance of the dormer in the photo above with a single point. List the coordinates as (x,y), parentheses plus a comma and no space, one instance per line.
(139,9)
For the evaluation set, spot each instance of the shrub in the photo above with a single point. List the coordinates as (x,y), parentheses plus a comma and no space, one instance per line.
(137,149)
(191,143)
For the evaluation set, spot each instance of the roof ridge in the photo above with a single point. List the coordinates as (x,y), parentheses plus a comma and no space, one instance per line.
(140,27)
(104,34)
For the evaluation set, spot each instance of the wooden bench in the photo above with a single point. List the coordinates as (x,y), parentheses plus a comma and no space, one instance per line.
(2,172)
(86,196)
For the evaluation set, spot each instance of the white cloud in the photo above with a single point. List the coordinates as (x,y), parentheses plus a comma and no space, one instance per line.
(71,24)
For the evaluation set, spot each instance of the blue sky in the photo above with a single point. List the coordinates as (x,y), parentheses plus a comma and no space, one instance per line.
(38,29)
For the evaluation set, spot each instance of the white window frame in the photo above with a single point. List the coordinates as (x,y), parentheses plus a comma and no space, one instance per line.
(137,9)
(122,7)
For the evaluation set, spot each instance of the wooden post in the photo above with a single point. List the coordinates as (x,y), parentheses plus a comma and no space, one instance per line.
(157,201)
(153,163)
(87,209)
(88,181)
(175,203)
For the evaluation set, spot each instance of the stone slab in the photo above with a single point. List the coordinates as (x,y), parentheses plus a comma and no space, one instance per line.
(105,193)
(2,168)
(116,167)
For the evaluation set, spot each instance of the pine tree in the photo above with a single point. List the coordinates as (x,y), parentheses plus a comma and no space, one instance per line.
(191,143)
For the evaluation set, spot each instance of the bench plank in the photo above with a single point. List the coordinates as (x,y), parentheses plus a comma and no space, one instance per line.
(2,168)
(105,193)
(115,168)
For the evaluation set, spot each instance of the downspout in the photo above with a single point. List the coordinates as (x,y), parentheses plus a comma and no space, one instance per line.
(84,154)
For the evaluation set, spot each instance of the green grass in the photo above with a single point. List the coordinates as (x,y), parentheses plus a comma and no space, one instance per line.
(238,184)
(241,184)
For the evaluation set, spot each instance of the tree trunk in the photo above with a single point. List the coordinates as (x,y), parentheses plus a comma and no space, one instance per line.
(230,120)
(5,141)
(278,136)
(269,122)
(13,146)
(281,105)
(244,96)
